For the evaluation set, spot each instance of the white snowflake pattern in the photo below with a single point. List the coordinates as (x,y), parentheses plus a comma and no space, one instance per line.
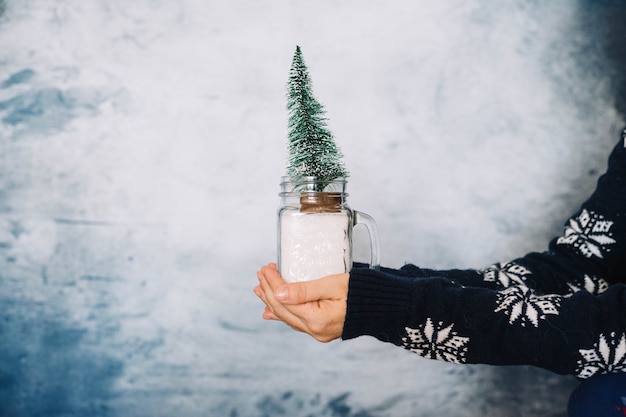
(522,305)
(507,275)
(608,355)
(436,341)
(593,285)
(589,234)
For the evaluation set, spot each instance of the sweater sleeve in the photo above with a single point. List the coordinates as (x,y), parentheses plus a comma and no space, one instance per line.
(562,310)
(579,333)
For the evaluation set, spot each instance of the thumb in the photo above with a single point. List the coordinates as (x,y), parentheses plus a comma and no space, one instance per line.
(306,291)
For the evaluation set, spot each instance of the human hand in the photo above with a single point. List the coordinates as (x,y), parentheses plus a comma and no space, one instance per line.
(316,307)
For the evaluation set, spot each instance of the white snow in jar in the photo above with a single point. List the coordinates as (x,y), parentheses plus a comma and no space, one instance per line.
(313,245)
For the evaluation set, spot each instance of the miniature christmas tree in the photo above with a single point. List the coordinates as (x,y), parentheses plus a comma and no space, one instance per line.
(312,148)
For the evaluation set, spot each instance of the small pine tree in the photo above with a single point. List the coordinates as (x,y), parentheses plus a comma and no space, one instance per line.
(312,148)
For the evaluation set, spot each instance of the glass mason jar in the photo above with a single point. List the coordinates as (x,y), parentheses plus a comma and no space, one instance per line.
(315,229)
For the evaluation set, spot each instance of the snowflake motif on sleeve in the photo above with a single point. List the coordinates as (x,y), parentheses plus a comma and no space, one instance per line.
(507,275)
(434,341)
(593,285)
(522,305)
(608,355)
(589,234)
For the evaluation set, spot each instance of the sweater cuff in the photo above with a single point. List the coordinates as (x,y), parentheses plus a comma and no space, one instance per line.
(377,303)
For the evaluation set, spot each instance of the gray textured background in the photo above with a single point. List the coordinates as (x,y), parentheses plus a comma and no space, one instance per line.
(141,146)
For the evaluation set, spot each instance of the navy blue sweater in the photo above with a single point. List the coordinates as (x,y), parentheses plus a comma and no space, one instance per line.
(563,309)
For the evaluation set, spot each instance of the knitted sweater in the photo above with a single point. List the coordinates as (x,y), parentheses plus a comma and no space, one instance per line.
(562,310)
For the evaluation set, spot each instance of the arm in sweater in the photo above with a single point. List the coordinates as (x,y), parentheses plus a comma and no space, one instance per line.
(578,333)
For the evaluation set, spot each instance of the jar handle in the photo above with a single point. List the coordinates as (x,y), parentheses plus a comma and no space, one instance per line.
(369,223)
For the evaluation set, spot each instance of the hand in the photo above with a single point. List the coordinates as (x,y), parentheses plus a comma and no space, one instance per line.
(316,307)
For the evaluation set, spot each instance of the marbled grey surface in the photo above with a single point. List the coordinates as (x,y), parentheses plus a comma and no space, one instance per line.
(141,145)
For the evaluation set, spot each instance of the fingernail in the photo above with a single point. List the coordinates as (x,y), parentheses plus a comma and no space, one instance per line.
(280,294)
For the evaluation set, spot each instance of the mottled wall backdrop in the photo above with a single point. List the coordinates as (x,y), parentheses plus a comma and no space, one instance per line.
(141,146)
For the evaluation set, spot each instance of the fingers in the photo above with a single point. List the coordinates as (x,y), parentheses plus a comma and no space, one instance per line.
(270,272)
(268,315)
(268,276)
(332,287)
